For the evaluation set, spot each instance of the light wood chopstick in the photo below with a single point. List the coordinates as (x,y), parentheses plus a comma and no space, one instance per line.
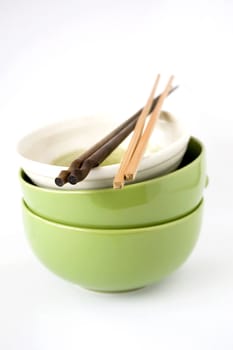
(131,169)
(118,181)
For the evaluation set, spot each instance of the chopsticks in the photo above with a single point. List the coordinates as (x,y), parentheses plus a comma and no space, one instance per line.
(80,167)
(139,141)
(97,157)
(62,178)
(119,178)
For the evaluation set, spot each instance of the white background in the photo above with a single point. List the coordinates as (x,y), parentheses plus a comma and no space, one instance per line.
(59,59)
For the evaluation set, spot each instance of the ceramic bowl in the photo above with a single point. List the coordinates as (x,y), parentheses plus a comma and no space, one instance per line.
(112,260)
(146,203)
(40,149)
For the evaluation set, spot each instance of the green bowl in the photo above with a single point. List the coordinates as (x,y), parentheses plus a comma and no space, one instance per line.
(112,260)
(142,204)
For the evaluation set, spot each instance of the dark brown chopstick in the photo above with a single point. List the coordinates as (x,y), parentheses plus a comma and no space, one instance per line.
(99,155)
(73,173)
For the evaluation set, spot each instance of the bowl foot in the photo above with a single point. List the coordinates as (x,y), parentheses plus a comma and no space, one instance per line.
(116,291)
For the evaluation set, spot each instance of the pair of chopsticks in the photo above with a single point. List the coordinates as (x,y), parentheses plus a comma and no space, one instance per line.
(80,167)
(137,146)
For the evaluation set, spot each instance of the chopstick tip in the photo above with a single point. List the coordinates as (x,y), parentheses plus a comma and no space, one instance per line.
(72,179)
(129,177)
(59,182)
(61,179)
(117,185)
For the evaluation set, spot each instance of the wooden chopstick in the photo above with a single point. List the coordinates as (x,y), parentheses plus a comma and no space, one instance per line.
(63,176)
(96,158)
(118,181)
(132,166)
(76,168)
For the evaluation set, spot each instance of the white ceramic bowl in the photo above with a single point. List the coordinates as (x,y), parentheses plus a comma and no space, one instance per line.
(38,150)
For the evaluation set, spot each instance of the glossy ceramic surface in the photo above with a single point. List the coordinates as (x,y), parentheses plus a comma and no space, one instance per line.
(147,203)
(113,260)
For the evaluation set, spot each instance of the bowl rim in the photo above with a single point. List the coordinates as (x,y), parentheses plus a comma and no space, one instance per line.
(106,172)
(127,187)
(115,231)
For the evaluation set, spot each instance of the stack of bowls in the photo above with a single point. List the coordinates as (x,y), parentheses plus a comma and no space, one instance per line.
(118,240)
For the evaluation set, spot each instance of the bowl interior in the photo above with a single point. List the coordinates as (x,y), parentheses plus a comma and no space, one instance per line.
(192,153)
(40,150)
(47,144)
